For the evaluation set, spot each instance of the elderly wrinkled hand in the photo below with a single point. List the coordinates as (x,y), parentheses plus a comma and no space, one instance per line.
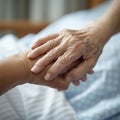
(64,48)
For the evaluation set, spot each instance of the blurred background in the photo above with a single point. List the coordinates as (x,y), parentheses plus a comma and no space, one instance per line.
(24,16)
(38,10)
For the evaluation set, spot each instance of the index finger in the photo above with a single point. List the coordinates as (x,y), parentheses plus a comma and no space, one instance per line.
(44,40)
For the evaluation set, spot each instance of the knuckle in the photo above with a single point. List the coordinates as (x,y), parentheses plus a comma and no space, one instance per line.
(52,53)
(71,39)
(66,32)
(69,56)
(62,60)
(72,57)
(50,44)
(38,65)
(37,51)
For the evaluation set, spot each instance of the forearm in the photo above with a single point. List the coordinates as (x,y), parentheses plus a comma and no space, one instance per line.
(111,18)
(108,24)
(12,72)
(16,70)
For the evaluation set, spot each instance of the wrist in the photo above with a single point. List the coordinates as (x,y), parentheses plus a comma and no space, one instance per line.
(101,31)
(26,66)
(106,26)
(12,72)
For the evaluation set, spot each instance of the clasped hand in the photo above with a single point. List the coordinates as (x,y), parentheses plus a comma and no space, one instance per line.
(66,47)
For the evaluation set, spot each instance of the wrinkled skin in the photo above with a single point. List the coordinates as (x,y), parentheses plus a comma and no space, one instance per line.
(67,46)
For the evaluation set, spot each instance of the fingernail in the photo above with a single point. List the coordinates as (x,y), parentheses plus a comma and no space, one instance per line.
(69,79)
(35,69)
(47,76)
